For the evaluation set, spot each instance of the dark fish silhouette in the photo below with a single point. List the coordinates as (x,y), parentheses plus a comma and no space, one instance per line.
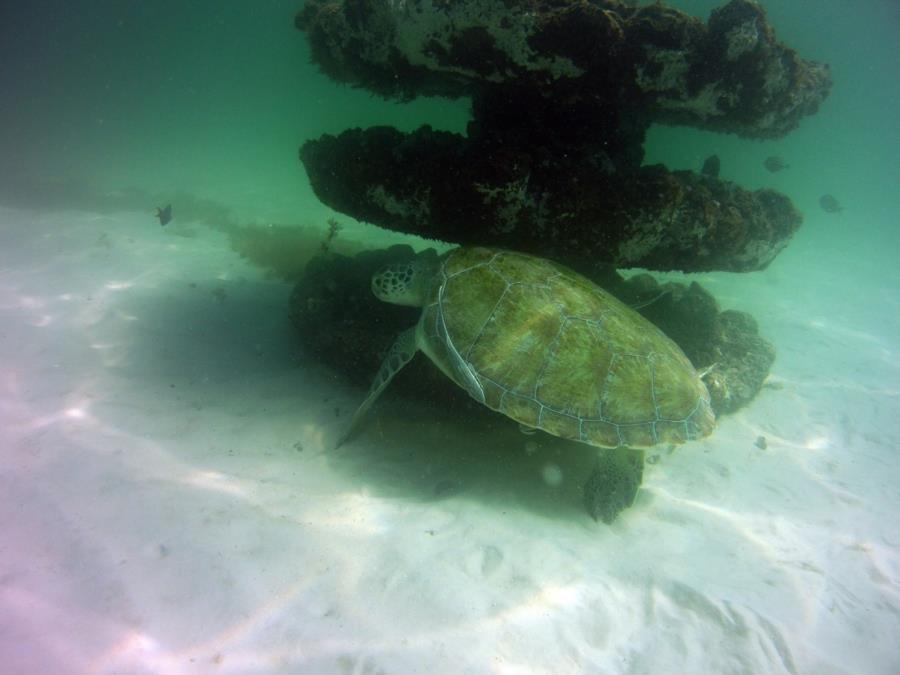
(164,214)
(775,164)
(711,166)
(830,204)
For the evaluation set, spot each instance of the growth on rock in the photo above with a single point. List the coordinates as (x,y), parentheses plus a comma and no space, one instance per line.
(575,211)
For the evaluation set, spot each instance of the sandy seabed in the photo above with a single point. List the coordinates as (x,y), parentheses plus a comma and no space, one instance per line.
(170,501)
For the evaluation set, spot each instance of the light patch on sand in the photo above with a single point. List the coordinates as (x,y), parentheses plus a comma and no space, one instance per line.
(218,482)
(818,442)
(30,302)
(42,320)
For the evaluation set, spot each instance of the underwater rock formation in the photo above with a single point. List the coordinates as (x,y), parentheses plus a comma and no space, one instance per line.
(559,205)
(344,326)
(730,74)
(562,96)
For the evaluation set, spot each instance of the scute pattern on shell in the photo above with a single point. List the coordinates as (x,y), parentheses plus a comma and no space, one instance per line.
(548,348)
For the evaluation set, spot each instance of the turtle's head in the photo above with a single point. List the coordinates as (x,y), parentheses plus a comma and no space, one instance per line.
(406,283)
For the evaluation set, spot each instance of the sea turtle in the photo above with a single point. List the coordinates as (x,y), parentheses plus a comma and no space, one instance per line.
(545,346)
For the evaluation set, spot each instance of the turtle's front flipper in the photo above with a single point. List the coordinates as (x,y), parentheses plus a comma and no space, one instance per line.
(403,349)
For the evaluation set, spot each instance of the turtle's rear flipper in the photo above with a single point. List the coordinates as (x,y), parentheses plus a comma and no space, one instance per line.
(403,349)
(614,483)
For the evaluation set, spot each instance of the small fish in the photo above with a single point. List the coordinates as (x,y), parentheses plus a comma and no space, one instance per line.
(711,166)
(775,164)
(164,214)
(830,204)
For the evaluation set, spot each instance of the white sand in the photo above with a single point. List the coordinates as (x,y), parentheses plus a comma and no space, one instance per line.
(169,502)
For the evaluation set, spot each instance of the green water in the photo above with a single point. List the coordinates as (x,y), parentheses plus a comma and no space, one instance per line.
(204,98)
(211,101)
